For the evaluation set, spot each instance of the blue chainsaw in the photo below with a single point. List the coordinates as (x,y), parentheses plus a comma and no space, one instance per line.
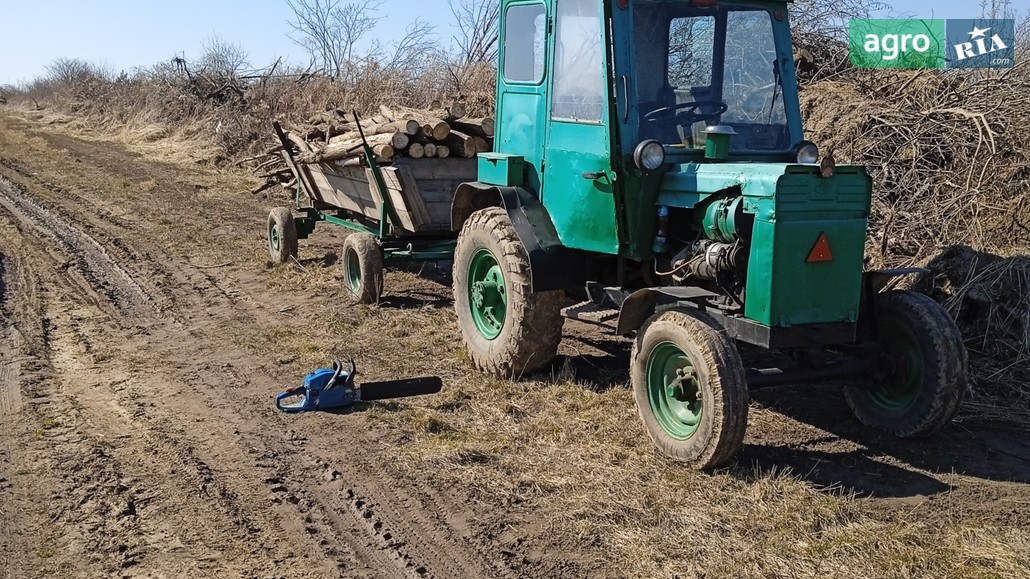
(331,388)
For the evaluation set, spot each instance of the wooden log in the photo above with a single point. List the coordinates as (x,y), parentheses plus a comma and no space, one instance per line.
(309,133)
(462,145)
(430,150)
(369,124)
(407,126)
(476,127)
(450,112)
(299,143)
(457,110)
(443,151)
(381,147)
(278,174)
(345,137)
(397,140)
(323,118)
(400,141)
(434,127)
(482,146)
(416,151)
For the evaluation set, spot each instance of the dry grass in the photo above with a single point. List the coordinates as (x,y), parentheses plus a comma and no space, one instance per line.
(501,442)
(570,455)
(223,119)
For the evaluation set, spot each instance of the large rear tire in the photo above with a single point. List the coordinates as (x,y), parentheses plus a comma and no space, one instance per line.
(690,388)
(927,368)
(282,236)
(508,330)
(363,268)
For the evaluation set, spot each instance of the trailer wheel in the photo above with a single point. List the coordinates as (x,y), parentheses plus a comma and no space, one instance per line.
(927,366)
(690,388)
(282,236)
(508,329)
(363,268)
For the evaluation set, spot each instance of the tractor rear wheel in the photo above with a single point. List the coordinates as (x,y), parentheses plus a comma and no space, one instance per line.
(508,329)
(690,388)
(363,268)
(282,236)
(927,367)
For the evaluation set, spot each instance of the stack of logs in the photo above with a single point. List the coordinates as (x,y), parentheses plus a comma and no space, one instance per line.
(436,132)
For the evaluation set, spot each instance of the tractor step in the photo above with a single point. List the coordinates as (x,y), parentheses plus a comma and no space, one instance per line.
(592,313)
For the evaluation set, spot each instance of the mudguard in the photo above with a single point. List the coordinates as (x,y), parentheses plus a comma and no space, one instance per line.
(643,304)
(548,258)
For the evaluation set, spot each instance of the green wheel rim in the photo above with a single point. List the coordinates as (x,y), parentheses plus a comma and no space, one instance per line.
(906,378)
(488,297)
(274,238)
(674,391)
(353,271)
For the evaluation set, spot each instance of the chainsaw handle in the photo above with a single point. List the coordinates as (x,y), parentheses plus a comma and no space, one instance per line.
(288,394)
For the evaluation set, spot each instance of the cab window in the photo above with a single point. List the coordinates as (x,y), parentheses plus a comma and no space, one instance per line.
(525,28)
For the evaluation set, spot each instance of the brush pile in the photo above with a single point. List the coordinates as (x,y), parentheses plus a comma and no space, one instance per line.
(335,136)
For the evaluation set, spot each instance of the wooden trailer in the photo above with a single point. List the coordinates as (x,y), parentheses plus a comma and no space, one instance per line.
(398,210)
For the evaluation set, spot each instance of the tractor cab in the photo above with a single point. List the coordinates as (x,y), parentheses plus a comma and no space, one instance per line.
(697,67)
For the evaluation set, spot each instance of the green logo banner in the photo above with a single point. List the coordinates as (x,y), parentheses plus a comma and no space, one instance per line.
(898,43)
(912,43)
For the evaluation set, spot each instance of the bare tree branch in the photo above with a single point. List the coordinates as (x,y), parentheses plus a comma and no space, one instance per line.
(329,30)
(477,23)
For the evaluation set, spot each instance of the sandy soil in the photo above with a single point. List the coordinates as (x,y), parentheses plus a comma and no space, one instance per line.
(144,336)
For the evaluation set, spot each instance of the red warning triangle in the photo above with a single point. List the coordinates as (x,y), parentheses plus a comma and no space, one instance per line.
(821,252)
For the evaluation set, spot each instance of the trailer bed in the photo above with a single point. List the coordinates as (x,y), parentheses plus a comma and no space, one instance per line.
(419,191)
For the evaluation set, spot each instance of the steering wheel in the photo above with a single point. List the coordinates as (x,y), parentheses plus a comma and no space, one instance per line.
(688,114)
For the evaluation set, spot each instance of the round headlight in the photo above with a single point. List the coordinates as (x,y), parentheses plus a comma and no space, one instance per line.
(806,153)
(649,155)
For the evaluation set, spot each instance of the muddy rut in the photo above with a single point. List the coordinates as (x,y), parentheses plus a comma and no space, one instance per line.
(132,441)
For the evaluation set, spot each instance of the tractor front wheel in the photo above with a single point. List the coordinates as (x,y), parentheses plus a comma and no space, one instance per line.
(690,388)
(926,368)
(363,268)
(282,236)
(508,329)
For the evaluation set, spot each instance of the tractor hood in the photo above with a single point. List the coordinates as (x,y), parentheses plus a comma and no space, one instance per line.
(687,184)
(807,235)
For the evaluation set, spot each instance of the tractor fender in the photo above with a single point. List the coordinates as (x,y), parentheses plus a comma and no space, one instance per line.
(548,258)
(643,304)
(874,282)
(878,279)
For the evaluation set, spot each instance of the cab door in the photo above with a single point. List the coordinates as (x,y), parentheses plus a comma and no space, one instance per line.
(578,188)
(522,86)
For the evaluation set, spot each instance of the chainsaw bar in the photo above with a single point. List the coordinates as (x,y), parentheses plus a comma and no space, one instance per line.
(400,388)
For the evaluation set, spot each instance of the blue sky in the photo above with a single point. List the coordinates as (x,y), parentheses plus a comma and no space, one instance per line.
(126,34)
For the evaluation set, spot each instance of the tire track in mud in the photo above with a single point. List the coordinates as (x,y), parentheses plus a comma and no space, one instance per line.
(156,275)
(10,409)
(366,524)
(385,528)
(20,371)
(85,255)
(136,497)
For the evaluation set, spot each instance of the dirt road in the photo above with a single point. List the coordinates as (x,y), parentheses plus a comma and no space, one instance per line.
(144,335)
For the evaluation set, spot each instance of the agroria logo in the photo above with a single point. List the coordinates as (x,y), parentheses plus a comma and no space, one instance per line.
(913,43)
(981,43)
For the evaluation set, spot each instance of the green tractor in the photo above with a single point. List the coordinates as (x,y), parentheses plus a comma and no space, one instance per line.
(650,161)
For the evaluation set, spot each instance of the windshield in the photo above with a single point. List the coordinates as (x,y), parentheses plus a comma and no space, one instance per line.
(702,67)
